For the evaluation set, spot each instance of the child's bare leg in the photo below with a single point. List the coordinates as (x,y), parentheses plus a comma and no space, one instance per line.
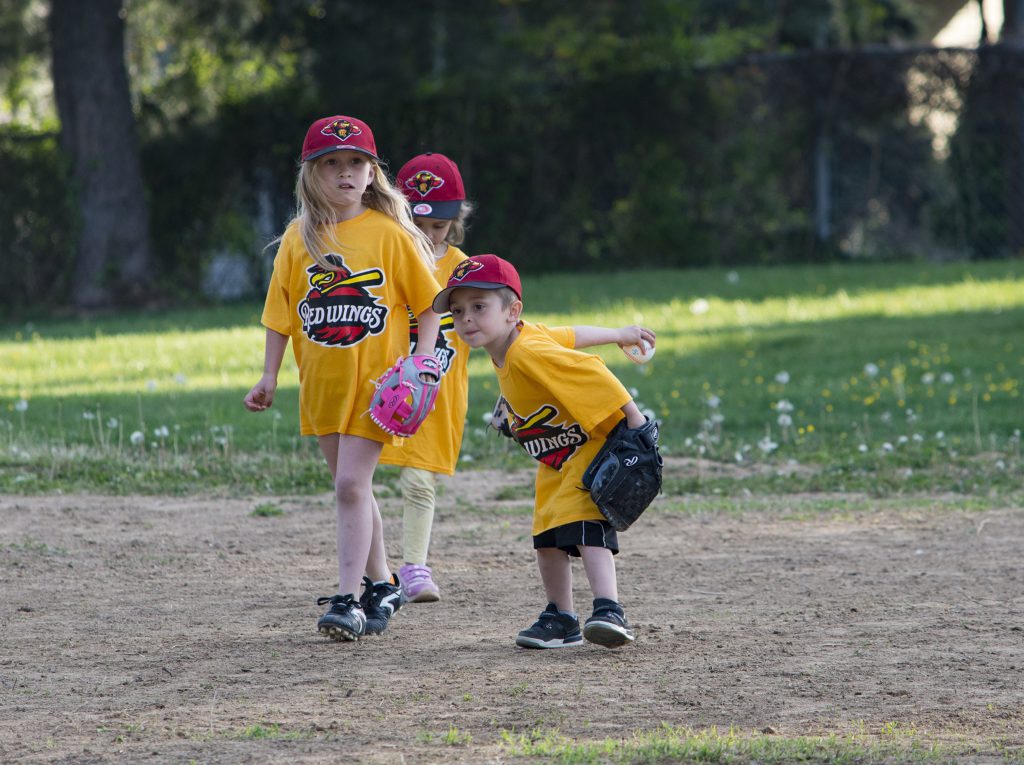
(556,574)
(377,567)
(599,563)
(352,461)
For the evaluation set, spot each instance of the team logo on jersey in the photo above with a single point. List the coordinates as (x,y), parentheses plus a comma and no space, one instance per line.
(444,350)
(464,269)
(341,129)
(549,442)
(424,182)
(339,309)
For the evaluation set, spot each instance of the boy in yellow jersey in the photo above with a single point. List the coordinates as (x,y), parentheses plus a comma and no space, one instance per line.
(561,405)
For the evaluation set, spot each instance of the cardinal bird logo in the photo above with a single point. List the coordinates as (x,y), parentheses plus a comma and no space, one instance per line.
(549,442)
(339,309)
(464,269)
(424,182)
(341,129)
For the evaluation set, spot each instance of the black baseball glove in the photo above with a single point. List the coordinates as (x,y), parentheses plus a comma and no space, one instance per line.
(625,476)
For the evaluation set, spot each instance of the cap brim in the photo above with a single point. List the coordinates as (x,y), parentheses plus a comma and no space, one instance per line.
(329,149)
(444,210)
(440,304)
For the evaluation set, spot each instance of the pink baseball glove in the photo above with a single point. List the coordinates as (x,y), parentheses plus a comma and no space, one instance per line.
(403,399)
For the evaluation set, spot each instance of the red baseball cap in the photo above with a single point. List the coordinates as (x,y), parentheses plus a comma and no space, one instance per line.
(486,272)
(433,185)
(335,134)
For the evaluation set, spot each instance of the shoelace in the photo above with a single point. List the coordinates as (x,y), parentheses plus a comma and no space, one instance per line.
(337,600)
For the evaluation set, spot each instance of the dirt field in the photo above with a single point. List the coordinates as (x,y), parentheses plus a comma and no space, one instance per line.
(177,630)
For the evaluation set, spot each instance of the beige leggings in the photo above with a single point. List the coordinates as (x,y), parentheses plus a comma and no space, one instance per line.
(418,513)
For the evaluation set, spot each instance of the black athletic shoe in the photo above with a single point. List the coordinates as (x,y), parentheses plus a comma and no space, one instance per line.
(608,625)
(552,630)
(379,602)
(344,620)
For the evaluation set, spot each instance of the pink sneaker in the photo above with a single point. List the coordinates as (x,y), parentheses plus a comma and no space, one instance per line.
(417,585)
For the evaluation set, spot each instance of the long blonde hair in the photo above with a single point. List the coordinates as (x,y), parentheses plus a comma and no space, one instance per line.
(317,218)
(457,231)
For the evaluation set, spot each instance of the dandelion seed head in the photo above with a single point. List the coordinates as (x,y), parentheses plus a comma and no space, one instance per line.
(928,378)
(871,370)
(862,448)
(785,420)
(783,406)
(699,307)
(88,415)
(113,422)
(137,437)
(732,277)
(21,405)
(782,377)
(947,378)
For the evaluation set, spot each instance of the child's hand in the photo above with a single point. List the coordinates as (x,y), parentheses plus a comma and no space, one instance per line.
(633,335)
(262,395)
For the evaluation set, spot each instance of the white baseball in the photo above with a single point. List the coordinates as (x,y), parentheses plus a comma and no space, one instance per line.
(639,353)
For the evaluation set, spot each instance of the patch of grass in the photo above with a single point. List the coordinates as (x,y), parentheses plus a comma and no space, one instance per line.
(262,731)
(676,744)
(30,546)
(851,368)
(513,493)
(266,510)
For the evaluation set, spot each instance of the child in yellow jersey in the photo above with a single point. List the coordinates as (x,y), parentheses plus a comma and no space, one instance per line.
(433,185)
(561,405)
(348,266)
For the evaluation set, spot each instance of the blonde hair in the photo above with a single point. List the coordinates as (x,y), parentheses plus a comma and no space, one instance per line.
(457,232)
(317,218)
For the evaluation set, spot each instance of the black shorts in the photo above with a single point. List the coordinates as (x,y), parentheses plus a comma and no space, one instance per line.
(587,533)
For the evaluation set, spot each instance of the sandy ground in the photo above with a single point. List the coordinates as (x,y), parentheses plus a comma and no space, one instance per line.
(183,629)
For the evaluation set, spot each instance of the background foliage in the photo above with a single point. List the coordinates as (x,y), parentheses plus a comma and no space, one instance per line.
(599,135)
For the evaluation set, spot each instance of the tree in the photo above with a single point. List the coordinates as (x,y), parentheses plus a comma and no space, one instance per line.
(113,263)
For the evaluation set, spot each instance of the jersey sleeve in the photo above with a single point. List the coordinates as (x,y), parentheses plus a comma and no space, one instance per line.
(276,308)
(417,280)
(564,336)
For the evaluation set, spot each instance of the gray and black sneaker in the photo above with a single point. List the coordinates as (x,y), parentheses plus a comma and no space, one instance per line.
(608,626)
(552,630)
(379,602)
(344,620)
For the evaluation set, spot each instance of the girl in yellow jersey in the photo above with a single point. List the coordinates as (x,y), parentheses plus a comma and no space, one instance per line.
(433,185)
(348,266)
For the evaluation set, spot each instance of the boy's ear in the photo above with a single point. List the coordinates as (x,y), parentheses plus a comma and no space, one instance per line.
(515,309)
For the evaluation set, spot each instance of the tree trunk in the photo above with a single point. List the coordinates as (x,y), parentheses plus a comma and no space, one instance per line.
(90,81)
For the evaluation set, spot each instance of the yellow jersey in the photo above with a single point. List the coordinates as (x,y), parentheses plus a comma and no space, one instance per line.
(347,326)
(562,405)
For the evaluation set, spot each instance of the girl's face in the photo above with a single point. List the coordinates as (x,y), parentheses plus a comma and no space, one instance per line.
(344,177)
(481,319)
(436,230)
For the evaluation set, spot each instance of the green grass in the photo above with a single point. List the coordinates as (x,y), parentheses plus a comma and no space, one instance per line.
(668,743)
(860,372)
